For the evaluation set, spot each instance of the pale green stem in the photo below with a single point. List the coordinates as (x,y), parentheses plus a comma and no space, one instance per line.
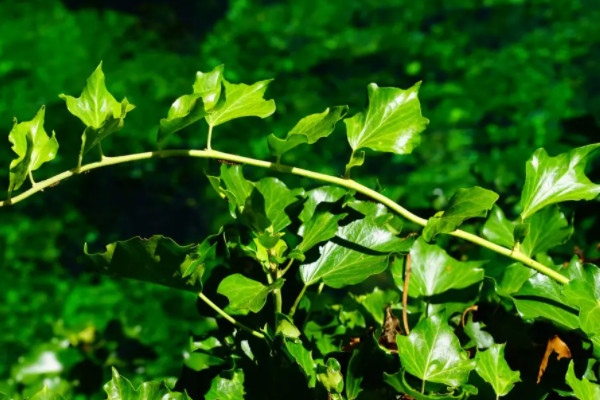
(31,179)
(347,183)
(229,317)
(297,302)
(210,129)
(423,386)
(100,151)
(287,267)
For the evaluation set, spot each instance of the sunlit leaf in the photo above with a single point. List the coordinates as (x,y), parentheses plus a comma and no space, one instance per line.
(228,385)
(391,123)
(314,197)
(157,260)
(242,100)
(120,388)
(466,203)
(433,353)
(45,394)
(584,294)
(361,249)
(434,271)
(277,197)
(330,375)
(399,383)
(308,130)
(493,368)
(321,227)
(547,228)
(303,358)
(245,293)
(583,388)
(33,147)
(499,229)
(101,113)
(556,179)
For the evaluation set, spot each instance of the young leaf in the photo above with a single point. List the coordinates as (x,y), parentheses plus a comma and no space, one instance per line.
(434,271)
(314,197)
(228,385)
(547,229)
(583,388)
(308,130)
(303,358)
(363,250)
(101,113)
(493,368)
(242,100)
(466,203)
(245,293)
(499,229)
(391,123)
(120,388)
(330,375)
(33,147)
(556,179)
(321,227)
(190,108)
(157,260)
(432,353)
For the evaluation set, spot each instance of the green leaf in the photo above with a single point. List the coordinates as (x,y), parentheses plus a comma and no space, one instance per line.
(314,197)
(308,130)
(277,197)
(391,123)
(303,358)
(228,385)
(547,229)
(376,302)
(238,187)
(493,368)
(583,388)
(499,229)
(245,293)
(120,388)
(584,294)
(33,147)
(479,338)
(157,260)
(432,353)
(321,227)
(466,203)
(551,180)
(101,113)
(434,271)
(330,375)
(285,327)
(242,100)
(398,382)
(512,279)
(190,108)
(362,250)
(45,394)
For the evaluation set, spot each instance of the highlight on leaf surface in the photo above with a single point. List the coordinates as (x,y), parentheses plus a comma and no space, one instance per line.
(556,179)
(582,388)
(33,147)
(101,113)
(308,130)
(193,107)
(493,368)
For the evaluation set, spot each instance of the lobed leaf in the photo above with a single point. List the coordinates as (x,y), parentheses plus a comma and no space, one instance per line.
(399,383)
(33,147)
(466,203)
(308,130)
(320,228)
(303,358)
(120,388)
(493,368)
(583,388)
(228,385)
(245,293)
(551,180)
(314,197)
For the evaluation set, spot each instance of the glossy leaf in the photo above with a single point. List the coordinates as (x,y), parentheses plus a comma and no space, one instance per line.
(466,203)
(479,338)
(157,260)
(191,108)
(277,197)
(245,293)
(376,302)
(304,359)
(391,123)
(45,394)
(330,375)
(321,227)
(547,228)
(308,130)
(499,229)
(101,113)
(242,100)
(314,197)
(551,180)
(120,388)
(362,250)
(584,294)
(433,353)
(583,388)
(434,271)
(493,368)
(398,382)
(228,385)
(33,147)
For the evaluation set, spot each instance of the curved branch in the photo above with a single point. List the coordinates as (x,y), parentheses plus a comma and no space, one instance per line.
(347,183)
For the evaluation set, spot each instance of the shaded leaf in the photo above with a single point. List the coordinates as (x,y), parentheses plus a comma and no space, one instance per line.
(433,353)
(363,250)
(242,100)
(321,227)
(556,179)
(303,358)
(308,130)
(277,197)
(583,388)
(377,301)
(434,271)
(330,375)
(228,385)
(493,368)
(391,123)
(499,229)
(554,345)
(245,293)
(583,293)
(547,228)
(466,203)
(157,260)
(33,147)
(314,197)
(398,382)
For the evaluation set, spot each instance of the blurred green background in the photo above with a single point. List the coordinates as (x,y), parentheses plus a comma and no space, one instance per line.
(500,79)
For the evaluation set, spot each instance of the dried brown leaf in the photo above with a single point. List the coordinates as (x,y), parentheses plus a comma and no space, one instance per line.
(555,345)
